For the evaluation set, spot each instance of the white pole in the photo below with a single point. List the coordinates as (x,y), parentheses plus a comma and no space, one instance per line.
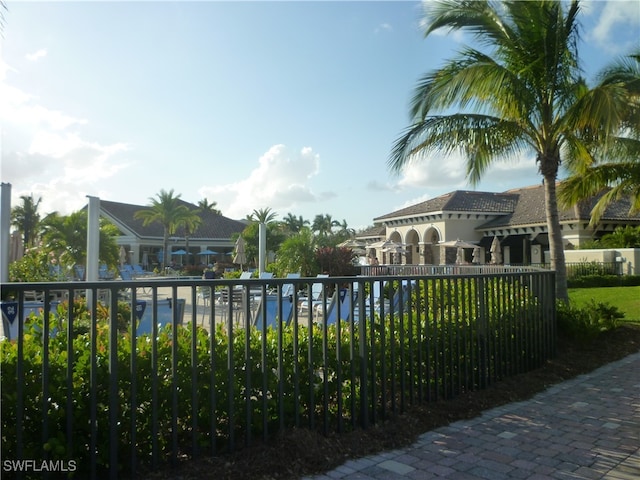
(262,246)
(5,226)
(93,239)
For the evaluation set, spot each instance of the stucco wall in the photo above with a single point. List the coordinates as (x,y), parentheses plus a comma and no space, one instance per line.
(630,257)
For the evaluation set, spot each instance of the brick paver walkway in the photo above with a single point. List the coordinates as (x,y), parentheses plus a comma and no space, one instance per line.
(585,428)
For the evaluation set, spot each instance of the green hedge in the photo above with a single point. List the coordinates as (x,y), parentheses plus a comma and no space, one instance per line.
(593,281)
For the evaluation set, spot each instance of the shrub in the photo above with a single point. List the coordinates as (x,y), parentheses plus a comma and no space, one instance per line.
(587,322)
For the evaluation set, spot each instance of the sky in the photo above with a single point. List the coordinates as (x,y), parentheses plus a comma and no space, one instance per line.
(291,105)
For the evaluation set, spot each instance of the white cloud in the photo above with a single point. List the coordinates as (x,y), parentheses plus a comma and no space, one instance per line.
(614,18)
(46,153)
(32,57)
(434,171)
(384,27)
(279,181)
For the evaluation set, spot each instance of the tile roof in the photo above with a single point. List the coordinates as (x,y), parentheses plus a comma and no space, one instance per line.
(213,226)
(459,201)
(521,206)
(529,209)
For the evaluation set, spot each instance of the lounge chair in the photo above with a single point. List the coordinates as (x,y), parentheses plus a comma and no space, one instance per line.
(267,314)
(138,271)
(305,304)
(289,288)
(346,298)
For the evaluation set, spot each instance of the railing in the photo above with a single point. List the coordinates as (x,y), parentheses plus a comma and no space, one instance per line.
(453,269)
(228,363)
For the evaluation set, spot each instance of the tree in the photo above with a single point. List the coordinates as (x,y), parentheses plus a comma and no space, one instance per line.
(26,219)
(297,254)
(323,225)
(294,224)
(168,211)
(205,206)
(66,238)
(263,215)
(524,93)
(613,176)
(189,222)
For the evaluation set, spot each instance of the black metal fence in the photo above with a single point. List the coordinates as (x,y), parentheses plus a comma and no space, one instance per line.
(112,379)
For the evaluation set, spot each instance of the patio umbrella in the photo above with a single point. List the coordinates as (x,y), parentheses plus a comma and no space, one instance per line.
(459,256)
(352,243)
(476,255)
(179,252)
(207,252)
(496,251)
(240,256)
(457,243)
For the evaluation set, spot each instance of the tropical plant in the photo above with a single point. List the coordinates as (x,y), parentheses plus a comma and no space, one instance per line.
(294,224)
(615,170)
(323,225)
(621,237)
(167,210)
(65,237)
(205,206)
(524,93)
(26,219)
(297,254)
(263,215)
(189,223)
(336,261)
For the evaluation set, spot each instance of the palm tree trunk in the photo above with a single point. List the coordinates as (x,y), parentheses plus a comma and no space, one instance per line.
(556,246)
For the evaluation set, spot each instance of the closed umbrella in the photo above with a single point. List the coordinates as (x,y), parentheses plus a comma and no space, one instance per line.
(459,256)
(496,252)
(123,256)
(16,247)
(240,256)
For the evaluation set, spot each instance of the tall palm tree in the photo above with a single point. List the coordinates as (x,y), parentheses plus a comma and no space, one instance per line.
(522,92)
(263,215)
(205,206)
(26,219)
(189,223)
(323,224)
(616,175)
(168,211)
(294,224)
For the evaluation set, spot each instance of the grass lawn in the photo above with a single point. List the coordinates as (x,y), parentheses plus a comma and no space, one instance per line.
(627,299)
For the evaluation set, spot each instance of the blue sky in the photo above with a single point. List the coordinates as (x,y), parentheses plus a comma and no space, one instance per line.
(288,105)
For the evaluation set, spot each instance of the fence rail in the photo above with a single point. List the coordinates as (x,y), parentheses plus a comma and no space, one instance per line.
(87,381)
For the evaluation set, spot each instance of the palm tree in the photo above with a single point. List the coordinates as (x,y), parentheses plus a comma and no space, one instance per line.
(294,224)
(205,206)
(67,237)
(26,219)
(190,223)
(168,211)
(524,93)
(617,176)
(323,224)
(263,215)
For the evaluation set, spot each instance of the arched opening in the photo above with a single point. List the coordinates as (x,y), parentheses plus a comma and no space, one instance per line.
(431,250)
(412,241)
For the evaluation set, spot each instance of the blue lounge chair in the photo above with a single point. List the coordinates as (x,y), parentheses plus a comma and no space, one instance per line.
(346,298)
(267,312)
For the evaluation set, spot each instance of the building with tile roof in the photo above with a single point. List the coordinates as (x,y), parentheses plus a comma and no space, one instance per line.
(516,218)
(144,243)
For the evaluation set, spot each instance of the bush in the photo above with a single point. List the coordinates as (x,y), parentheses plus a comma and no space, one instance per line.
(596,281)
(587,322)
